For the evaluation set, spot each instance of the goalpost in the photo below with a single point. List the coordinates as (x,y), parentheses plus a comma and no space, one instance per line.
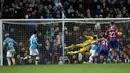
(24,27)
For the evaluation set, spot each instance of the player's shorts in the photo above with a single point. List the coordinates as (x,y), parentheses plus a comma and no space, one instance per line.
(34,52)
(114,44)
(93,52)
(10,53)
(103,52)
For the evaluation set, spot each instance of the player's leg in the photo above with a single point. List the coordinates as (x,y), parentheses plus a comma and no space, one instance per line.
(110,51)
(74,46)
(116,52)
(110,57)
(105,55)
(32,56)
(99,53)
(8,55)
(37,57)
(69,47)
(101,59)
(93,54)
(12,57)
(90,57)
(9,61)
(80,51)
(96,58)
(13,60)
(73,52)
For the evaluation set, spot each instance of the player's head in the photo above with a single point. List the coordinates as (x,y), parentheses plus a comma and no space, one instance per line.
(35,32)
(7,35)
(112,23)
(95,37)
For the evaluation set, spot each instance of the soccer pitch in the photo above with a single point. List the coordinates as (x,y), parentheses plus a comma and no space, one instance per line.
(71,68)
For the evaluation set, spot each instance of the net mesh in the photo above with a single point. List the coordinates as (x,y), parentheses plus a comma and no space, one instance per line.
(50,32)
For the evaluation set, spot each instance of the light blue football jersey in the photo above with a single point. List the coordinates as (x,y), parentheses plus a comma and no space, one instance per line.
(33,42)
(9,43)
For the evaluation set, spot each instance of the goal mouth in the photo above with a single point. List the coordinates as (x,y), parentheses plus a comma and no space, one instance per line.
(69,32)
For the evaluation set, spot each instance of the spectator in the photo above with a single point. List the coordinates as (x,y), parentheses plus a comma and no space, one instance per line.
(23,56)
(5,14)
(128,49)
(88,13)
(48,55)
(129,41)
(67,60)
(12,33)
(54,52)
(58,37)
(48,7)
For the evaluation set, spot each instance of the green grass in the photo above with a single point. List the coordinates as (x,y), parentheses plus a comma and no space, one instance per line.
(72,68)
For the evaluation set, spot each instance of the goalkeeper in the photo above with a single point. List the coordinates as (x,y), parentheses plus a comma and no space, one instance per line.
(83,46)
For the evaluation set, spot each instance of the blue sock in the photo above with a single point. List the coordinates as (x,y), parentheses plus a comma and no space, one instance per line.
(109,54)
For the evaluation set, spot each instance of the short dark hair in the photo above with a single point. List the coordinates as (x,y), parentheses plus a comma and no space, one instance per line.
(112,23)
(35,32)
(94,37)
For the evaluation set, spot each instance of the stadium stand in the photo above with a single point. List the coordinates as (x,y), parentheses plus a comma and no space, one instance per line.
(73,8)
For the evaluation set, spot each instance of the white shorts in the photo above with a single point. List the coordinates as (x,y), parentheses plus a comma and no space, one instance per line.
(10,53)
(93,53)
(34,52)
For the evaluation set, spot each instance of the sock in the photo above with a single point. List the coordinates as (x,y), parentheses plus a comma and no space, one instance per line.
(115,57)
(37,60)
(109,55)
(9,62)
(109,59)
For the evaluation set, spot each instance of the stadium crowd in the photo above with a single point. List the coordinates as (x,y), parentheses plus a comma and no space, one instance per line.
(72,8)
(50,35)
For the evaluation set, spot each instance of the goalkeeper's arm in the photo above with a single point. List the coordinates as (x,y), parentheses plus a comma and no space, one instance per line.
(90,43)
(88,37)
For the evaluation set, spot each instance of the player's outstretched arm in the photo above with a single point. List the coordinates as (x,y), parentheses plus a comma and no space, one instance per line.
(88,37)
(39,44)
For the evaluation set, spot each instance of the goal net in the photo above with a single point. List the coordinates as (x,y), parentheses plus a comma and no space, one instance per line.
(54,34)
